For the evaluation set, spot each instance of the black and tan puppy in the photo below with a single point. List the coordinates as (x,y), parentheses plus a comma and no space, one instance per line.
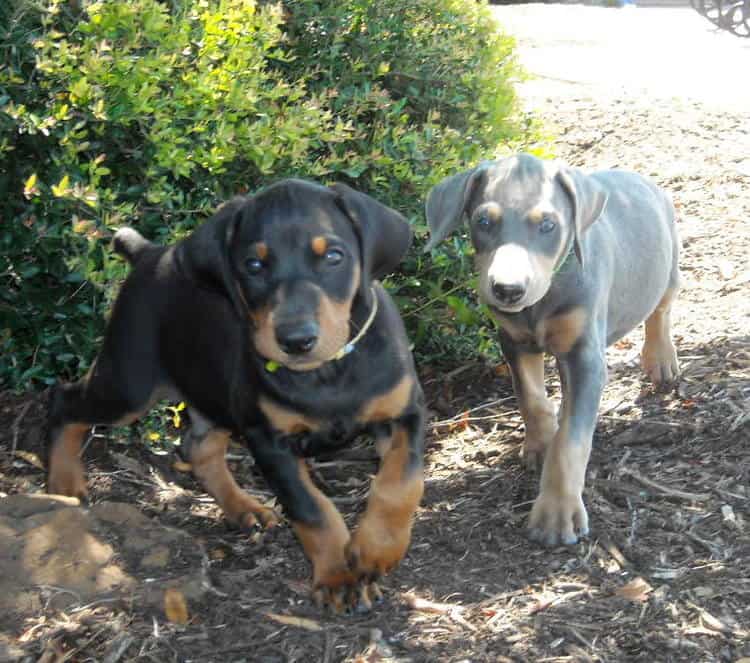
(568,263)
(268,322)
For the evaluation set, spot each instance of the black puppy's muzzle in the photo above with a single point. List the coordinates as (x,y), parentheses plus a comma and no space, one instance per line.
(297,338)
(508,293)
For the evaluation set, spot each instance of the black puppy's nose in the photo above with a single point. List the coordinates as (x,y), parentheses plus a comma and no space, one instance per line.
(508,293)
(297,339)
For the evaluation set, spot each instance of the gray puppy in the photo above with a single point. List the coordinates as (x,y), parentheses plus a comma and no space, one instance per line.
(568,263)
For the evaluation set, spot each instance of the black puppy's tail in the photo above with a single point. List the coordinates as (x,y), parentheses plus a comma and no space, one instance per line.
(129,243)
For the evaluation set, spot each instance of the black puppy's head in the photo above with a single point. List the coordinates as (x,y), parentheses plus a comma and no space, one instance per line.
(294,258)
(523,214)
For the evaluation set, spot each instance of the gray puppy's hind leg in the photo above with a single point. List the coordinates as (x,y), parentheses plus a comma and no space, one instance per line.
(659,357)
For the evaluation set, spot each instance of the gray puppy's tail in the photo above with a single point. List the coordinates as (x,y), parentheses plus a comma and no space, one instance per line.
(129,243)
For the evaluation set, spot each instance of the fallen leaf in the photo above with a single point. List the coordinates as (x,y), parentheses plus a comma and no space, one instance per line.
(175,606)
(727,514)
(30,458)
(298,587)
(291,620)
(711,622)
(182,466)
(636,590)
(502,370)
(726,269)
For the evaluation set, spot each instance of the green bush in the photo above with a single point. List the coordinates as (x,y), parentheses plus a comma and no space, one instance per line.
(150,113)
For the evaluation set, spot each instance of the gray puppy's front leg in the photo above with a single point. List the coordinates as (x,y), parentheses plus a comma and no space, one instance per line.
(558,514)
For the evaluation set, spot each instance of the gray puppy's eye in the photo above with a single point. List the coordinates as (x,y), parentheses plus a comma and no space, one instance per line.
(483,220)
(547,225)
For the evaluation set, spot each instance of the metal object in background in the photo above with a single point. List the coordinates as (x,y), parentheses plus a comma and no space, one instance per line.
(732,15)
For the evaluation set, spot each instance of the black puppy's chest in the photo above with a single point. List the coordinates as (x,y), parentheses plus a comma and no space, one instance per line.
(321,410)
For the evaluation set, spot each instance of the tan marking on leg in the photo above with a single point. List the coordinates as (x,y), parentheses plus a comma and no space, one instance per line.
(562,331)
(319,245)
(558,513)
(388,405)
(384,531)
(537,410)
(209,465)
(284,420)
(325,543)
(659,357)
(66,474)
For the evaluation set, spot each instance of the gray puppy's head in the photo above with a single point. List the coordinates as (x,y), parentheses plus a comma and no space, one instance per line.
(524,216)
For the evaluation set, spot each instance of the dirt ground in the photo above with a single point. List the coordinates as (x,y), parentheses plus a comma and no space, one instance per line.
(151,572)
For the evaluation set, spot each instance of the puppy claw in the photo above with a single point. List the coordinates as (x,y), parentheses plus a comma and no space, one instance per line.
(249,524)
(252,522)
(558,519)
(532,459)
(353,597)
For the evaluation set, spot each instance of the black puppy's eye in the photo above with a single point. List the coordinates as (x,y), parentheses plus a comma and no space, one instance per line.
(334,257)
(255,265)
(547,225)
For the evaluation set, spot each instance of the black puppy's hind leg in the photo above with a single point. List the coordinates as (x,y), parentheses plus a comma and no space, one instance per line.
(74,408)
(206,449)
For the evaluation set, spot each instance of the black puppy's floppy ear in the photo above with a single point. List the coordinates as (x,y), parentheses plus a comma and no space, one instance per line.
(205,256)
(587,200)
(384,234)
(446,203)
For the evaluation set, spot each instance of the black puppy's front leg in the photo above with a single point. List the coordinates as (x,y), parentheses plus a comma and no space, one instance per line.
(558,514)
(383,533)
(316,521)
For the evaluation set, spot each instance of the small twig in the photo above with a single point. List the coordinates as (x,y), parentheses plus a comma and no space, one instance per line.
(561,598)
(457,371)
(118,648)
(670,492)
(328,652)
(710,547)
(645,422)
(462,417)
(442,295)
(16,424)
(81,608)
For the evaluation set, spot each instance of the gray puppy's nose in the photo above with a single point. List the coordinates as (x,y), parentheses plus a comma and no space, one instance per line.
(297,339)
(508,293)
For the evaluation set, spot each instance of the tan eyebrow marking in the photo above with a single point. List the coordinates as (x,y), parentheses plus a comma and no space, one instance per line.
(261,249)
(319,245)
(536,215)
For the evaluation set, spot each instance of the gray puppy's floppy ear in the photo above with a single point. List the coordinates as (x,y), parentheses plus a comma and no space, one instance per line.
(385,235)
(446,204)
(587,202)
(204,257)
